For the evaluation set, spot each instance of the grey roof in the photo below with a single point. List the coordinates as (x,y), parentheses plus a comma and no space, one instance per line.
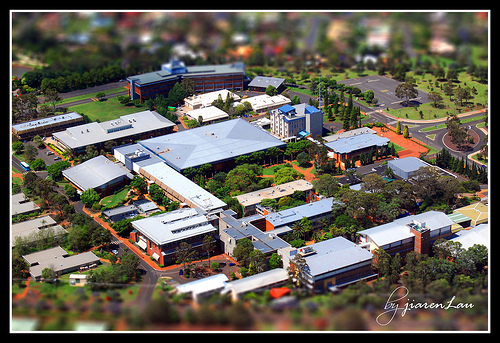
(95,133)
(397,230)
(95,173)
(335,253)
(292,215)
(210,144)
(407,164)
(160,75)
(46,121)
(350,144)
(257,281)
(477,235)
(264,81)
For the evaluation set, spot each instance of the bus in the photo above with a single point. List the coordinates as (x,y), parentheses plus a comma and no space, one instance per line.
(25,166)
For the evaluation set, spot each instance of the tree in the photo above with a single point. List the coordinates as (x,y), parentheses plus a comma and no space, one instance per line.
(458,134)
(184,253)
(17,147)
(89,197)
(208,245)
(271,90)
(406,90)
(398,128)
(55,170)
(381,262)
(242,251)
(275,261)
(38,164)
(30,152)
(326,185)
(303,159)
(406,133)
(256,262)
(286,174)
(436,98)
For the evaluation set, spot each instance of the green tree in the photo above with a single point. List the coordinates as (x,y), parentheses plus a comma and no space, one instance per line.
(89,197)
(271,90)
(184,253)
(398,128)
(242,251)
(406,133)
(406,90)
(285,175)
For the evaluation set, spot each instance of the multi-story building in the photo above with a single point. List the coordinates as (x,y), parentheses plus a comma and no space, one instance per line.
(44,127)
(206,78)
(160,235)
(416,232)
(299,121)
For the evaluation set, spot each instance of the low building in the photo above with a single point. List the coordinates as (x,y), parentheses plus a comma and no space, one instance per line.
(44,127)
(139,207)
(331,263)
(260,83)
(22,205)
(299,121)
(256,283)
(405,167)
(416,233)
(265,103)
(250,200)
(204,100)
(351,147)
(209,115)
(30,228)
(126,129)
(59,261)
(203,287)
(98,173)
(477,213)
(160,235)
(477,235)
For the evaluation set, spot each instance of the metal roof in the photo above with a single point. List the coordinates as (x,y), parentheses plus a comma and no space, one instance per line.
(408,164)
(211,144)
(350,144)
(264,81)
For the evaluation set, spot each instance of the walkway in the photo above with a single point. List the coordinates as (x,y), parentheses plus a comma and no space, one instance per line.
(412,146)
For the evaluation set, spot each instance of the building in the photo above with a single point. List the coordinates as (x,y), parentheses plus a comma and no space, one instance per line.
(330,263)
(176,186)
(22,205)
(477,235)
(126,129)
(44,127)
(416,233)
(204,100)
(350,147)
(206,78)
(405,167)
(477,213)
(218,144)
(160,235)
(209,115)
(250,200)
(98,173)
(265,103)
(260,84)
(256,283)
(29,229)
(203,287)
(59,261)
(299,121)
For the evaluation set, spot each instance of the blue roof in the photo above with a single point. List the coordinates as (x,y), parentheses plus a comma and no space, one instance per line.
(311,109)
(286,108)
(350,144)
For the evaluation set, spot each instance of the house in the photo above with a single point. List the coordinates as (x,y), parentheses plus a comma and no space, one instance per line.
(206,78)
(299,121)
(330,263)
(160,235)
(98,173)
(416,232)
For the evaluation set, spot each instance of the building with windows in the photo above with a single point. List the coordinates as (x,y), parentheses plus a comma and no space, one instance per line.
(260,83)
(44,127)
(298,121)
(160,235)
(126,129)
(416,232)
(206,78)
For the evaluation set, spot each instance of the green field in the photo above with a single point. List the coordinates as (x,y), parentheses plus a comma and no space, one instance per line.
(90,95)
(105,110)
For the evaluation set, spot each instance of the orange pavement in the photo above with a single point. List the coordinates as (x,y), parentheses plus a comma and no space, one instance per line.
(412,147)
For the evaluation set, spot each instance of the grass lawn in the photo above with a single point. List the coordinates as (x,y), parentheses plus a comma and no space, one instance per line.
(90,95)
(112,200)
(105,110)
(442,126)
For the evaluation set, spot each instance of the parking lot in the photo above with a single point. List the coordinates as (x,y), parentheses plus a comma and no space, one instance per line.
(384,89)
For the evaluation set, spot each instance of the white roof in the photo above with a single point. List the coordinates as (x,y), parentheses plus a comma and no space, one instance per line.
(257,281)
(207,284)
(397,230)
(477,235)
(263,101)
(207,98)
(208,113)
(174,226)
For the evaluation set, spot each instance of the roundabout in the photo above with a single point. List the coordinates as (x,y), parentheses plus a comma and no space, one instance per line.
(468,147)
